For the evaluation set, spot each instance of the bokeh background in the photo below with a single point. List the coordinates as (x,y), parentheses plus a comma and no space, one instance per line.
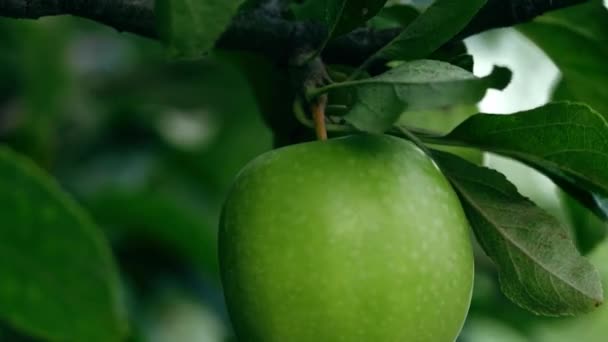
(150,148)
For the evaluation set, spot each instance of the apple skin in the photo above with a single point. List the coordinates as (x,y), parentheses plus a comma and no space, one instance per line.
(359,238)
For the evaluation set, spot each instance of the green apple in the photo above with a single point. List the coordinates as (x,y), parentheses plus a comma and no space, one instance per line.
(353,239)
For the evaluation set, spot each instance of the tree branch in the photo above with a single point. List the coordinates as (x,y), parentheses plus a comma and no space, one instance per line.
(264,30)
(136,16)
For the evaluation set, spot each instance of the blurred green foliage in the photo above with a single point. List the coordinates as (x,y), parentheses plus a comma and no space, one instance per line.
(149,147)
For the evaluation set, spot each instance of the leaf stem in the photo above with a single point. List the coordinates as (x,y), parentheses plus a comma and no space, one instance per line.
(315,92)
(440,140)
(406,133)
(364,66)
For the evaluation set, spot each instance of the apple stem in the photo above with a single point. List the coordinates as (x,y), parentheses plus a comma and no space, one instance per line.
(321,126)
(318,114)
(300,115)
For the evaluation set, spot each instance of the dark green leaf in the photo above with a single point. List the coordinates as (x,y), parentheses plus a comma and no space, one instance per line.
(433,28)
(190,28)
(274,97)
(575,39)
(376,103)
(539,267)
(394,16)
(340,16)
(597,203)
(588,229)
(455,53)
(566,141)
(59,281)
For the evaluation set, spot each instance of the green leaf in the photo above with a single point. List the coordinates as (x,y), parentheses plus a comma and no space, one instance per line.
(590,199)
(588,229)
(443,20)
(59,281)
(394,16)
(190,28)
(157,218)
(340,16)
(376,103)
(539,267)
(575,39)
(441,120)
(454,53)
(274,96)
(566,141)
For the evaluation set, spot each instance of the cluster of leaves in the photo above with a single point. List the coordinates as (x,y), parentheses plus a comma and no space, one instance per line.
(69,263)
(539,266)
